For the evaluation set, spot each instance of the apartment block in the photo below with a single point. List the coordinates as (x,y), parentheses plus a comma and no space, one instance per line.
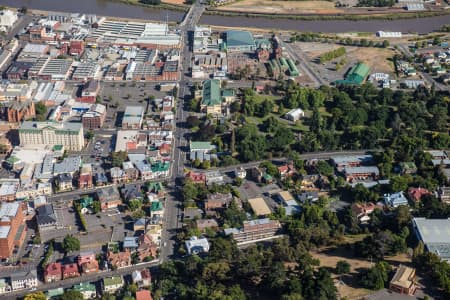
(12,228)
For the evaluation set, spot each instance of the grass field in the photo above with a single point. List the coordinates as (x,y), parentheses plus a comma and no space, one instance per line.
(286,7)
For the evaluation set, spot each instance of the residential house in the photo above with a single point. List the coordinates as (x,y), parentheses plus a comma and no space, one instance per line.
(130,243)
(202,224)
(404,280)
(88,290)
(118,176)
(53,272)
(340,162)
(147,249)
(143,295)
(199,178)
(139,224)
(24,279)
(217,201)
(197,245)
(142,278)
(100,179)
(112,284)
(443,194)
(396,199)
(109,197)
(308,196)
(295,114)
(416,194)
(408,168)
(363,210)
(156,188)
(131,173)
(157,208)
(70,270)
(132,192)
(64,182)
(87,262)
(120,259)
(361,173)
(309,182)
(85,177)
(240,172)
(286,170)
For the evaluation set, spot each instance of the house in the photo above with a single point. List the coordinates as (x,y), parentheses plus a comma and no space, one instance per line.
(408,168)
(240,172)
(132,192)
(254,230)
(443,194)
(201,151)
(147,249)
(217,201)
(139,224)
(90,91)
(131,173)
(88,290)
(202,224)
(112,284)
(87,262)
(100,179)
(403,281)
(416,194)
(24,280)
(85,177)
(295,114)
(53,272)
(308,196)
(340,162)
(395,200)
(363,210)
(120,259)
(109,197)
(310,182)
(130,243)
(156,188)
(64,182)
(143,295)
(259,207)
(291,206)
(142,278)
(214,177)
(260,175)
(286,170)
(197,245)
(118,175)
(70,270)
(284,197)
(191,213)
(199,178)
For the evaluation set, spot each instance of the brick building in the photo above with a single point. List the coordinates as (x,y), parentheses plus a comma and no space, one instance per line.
(255,230)
(90,91)
(12,228)
(18,111)
(95,117)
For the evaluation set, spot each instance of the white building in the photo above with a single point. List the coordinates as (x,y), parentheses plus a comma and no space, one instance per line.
(295,114)
(197,245)
(69,135)
(389,34)
(24,280)
(7,19)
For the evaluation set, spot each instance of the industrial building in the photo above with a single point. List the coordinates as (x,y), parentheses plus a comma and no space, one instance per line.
(239,41)
(69,135)
(12,228)
(435,234)
(356,75)
(55,69)
(85,71)
(132,118)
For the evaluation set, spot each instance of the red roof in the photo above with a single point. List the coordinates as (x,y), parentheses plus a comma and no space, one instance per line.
(417,193)
(53,269)
(70,269)
(196,177)
(143,295)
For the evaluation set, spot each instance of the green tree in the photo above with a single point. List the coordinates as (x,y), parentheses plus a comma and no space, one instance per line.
(72,295)
(96,206)
(118,158)
(41,111)
(70,243)
(35,296)
(376,277)
(192,121)
(342,267)
(134,204)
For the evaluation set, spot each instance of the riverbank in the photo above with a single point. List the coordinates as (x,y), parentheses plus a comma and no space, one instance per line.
(162,5)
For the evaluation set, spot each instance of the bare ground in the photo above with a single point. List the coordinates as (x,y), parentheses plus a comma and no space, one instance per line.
(285,7)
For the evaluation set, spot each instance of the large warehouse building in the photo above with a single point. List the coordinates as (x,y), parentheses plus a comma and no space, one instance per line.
(239,41)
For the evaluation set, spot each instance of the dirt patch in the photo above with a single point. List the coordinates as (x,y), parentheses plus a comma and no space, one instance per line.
(285,7)
(176,2)
(375,58)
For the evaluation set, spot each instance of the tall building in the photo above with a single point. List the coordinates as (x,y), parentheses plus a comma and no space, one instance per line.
(12,228)
(69,135)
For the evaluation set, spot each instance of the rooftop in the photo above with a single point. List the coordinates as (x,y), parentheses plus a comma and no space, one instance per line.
(435,234)
(259,207)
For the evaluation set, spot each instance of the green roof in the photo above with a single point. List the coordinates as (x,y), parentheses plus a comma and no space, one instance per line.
(236,38)
(12,160)
(155,186)
(86,201)
(201,146)
(57,148)
(228,92)
(84,287)
(55,292)
(356,75)
(156,206)
(114,280)
(160,166)
(211,92)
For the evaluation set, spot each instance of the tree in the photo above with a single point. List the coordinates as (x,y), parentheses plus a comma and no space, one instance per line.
(41,111)
(376,277)
(90,135)
(134,204)
(35,296)
(72,295)
(192,121)
(324,168)
(118,158)
(70,243)
(96,206)
(342,267)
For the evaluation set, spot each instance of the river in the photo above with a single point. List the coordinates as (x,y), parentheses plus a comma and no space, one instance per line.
(119,9)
